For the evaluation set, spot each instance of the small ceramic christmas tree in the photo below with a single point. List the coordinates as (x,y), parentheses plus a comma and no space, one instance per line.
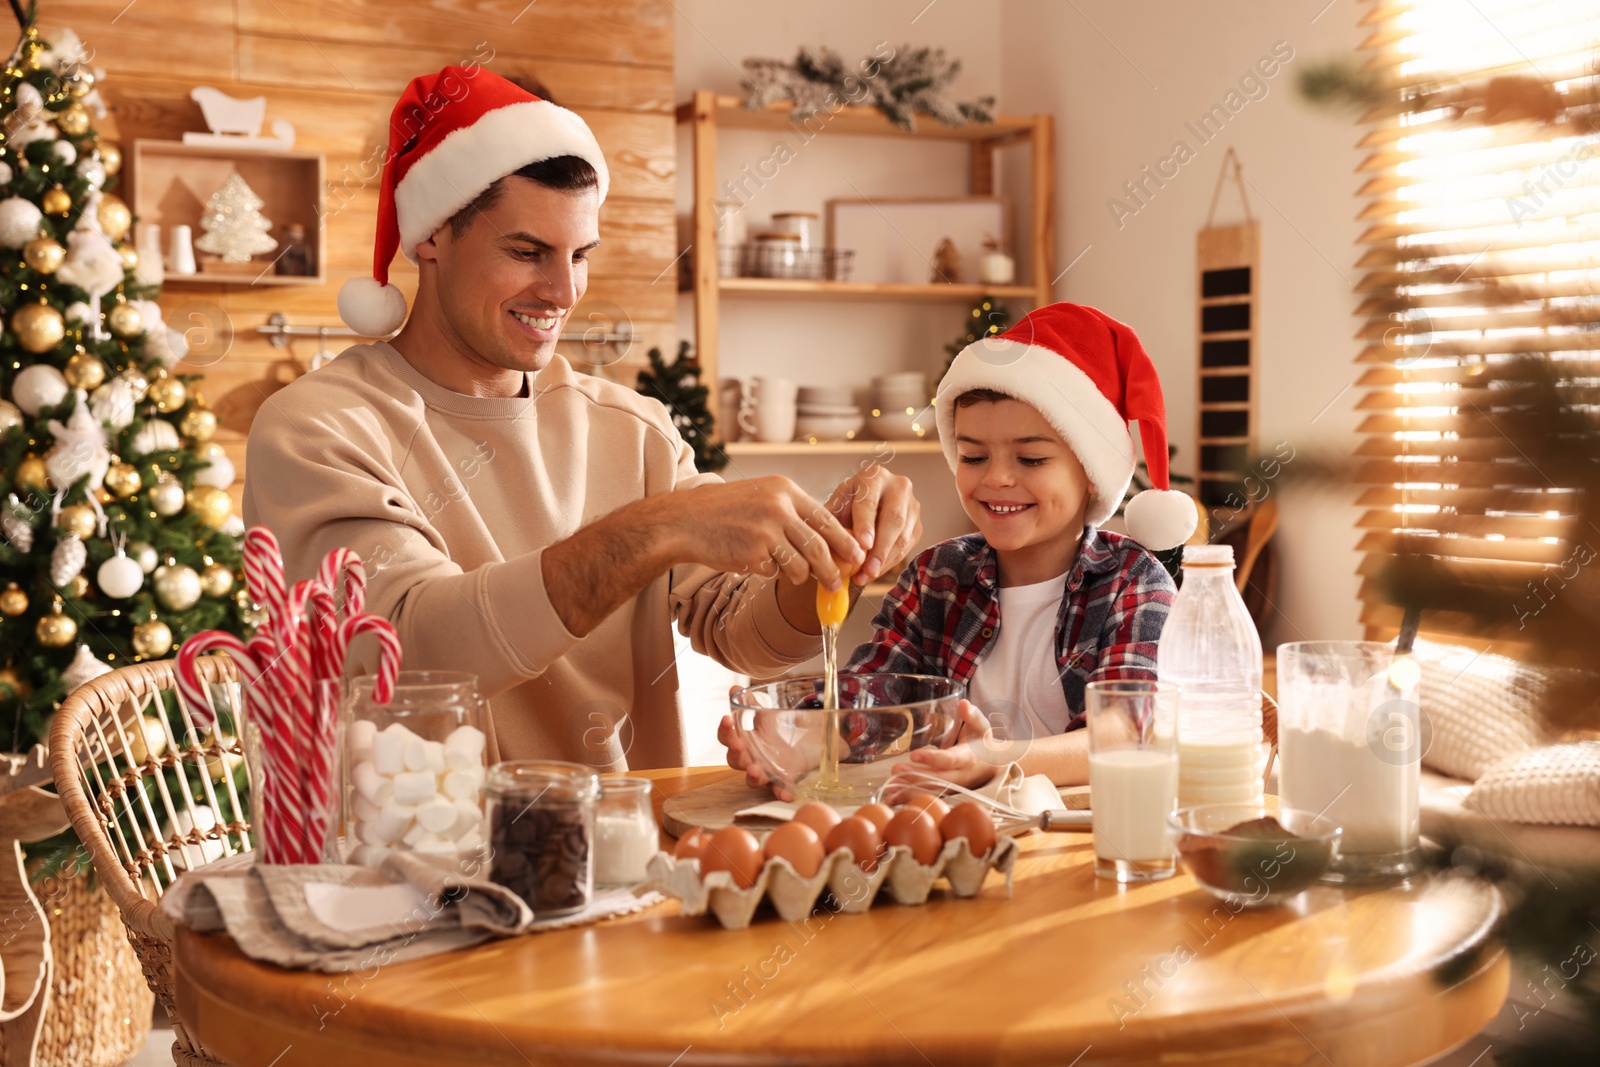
(235,228)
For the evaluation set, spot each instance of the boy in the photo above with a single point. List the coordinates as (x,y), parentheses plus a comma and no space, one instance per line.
(1039,602)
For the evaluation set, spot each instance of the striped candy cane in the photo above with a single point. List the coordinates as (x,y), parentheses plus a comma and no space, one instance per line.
(263,571)
(388,650)
(344,562)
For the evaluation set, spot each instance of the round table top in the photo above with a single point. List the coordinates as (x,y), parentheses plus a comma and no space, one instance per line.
(1070,969)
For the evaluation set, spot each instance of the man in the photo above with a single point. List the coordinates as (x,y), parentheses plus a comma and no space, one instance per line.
(537,527)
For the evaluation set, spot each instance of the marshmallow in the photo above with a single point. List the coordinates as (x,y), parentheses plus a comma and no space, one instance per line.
(413,835)
(457,760)
(437,815)
(434,756)
(362,809)
(463,785)
(369,783)
(392,821)
(415,787)
(358,739)
(471,841)
(433,843)
(416,754)
(466,741)
(369,835)
(389,751)
(469,819)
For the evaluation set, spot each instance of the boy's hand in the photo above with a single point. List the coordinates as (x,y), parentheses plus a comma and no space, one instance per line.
(739,759)
(880,509)
(960,763)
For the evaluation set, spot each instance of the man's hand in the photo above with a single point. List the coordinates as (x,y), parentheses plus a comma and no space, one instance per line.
(881,511)
(767,525)
(960,763)
(739,759)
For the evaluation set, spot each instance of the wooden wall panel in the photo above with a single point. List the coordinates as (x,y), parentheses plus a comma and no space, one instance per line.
(333,68)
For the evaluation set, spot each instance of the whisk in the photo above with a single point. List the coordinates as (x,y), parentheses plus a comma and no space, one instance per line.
(1008,819)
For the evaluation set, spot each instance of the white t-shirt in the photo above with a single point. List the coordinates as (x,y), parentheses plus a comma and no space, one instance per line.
(1018,670)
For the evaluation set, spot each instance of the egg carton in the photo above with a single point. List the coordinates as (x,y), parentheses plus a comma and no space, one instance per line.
(794,898)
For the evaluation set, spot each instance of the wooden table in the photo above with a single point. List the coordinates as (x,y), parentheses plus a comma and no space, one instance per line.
(1069,970)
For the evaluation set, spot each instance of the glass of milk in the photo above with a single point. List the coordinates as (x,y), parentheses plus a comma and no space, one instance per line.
(1350,747)
(1133,777)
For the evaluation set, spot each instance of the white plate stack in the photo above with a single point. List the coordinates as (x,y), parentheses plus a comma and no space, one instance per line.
(902,407)
(827,413)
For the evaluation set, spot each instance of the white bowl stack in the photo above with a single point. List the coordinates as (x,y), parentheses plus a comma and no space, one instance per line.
(902,407)
(827,413)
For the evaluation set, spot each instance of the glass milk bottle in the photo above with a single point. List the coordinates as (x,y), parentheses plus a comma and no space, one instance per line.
(1210,650)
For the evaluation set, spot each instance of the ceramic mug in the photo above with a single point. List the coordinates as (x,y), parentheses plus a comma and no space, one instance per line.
(768,410)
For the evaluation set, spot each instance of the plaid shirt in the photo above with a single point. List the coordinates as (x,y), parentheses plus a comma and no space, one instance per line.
(945,614)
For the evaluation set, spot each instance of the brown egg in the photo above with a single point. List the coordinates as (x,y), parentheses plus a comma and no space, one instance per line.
(861,837)
(735,850)
(820,817)
(877,814)
(799,844)
(935,807)
(916,830)
(691,845)
(970,821)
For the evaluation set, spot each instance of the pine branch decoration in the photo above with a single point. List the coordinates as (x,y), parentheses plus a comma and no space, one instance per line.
(907,83)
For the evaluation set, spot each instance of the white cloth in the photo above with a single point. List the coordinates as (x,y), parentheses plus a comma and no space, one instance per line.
(1018,670)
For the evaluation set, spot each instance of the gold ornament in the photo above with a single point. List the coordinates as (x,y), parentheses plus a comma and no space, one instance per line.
(123,480)
(31,473)
(79,519)
(115,218)
(177,586)
(56,201)
(198,424)
(145,738)
(78,588)
(168,394)
(55,630)
(44,254)
(39,327)
(80,84)
(110,158)
(13,601)
(130,256)
(103,496)
(152,639)
(125,321)
(210,505)
(252,617)
(166,496)
(13,685)
(84,371)
(216,580)
(73,120)
(138,384)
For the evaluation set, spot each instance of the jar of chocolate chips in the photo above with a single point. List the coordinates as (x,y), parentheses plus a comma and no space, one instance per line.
(541,830)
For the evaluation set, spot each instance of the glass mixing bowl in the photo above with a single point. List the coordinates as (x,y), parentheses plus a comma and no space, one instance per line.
(845,756)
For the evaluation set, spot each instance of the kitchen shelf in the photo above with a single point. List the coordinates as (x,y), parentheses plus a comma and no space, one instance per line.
(731,114)
(829,448)
(804,289)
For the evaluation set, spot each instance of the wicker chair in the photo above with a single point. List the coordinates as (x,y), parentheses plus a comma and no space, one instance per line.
(141,838)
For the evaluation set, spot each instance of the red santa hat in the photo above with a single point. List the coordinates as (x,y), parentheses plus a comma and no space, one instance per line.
(1089,376)
(451,136)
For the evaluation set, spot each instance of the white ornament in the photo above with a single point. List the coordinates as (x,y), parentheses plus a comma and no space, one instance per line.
(233,526)
(80,448)
(120,576)
(29,132)
(177,586)
(156,435)
(67,561)
(113,404)
(81,313)
(64,49)
(170,345)
(19,221)
(166,496)
(5,173)
(92,171)
(65,153)
(219,475)
(17,530)
(144,555)
(29,102)
(37,387)
(93,263)
(85,667)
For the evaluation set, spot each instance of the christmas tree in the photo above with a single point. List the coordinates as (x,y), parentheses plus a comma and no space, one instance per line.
(986,318)
(235,228)
(679,387)
(117,539)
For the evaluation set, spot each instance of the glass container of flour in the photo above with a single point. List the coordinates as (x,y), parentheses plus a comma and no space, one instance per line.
(1349,747)
(625,832)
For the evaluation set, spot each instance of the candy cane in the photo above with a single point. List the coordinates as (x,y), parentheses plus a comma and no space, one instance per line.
(263,570)
(388,649)
(343,561)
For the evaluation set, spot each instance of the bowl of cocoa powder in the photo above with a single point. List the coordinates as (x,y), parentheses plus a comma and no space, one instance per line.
(1253,855)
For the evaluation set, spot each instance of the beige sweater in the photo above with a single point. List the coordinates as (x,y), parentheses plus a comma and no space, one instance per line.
(451,501)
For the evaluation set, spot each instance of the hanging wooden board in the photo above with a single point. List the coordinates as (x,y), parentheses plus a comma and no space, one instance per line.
(1227,280)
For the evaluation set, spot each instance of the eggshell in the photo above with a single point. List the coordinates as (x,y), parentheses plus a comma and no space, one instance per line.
(735,850)
(861,837)
(971,822)
(819,816)
(691,845)
(877,814)
(936,808)
(798,843)
(915,829)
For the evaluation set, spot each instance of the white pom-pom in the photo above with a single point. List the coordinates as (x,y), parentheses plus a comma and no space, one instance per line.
(64,152)
(370,309)
(19,221)
(1160,519)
